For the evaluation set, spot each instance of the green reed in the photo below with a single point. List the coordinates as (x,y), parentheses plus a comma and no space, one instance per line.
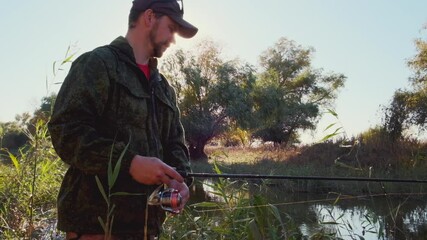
(27,186)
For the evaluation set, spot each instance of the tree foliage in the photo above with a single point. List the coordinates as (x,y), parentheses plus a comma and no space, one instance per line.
(417,100)
(396,115)
(212,93)
(290,92)
(409,107)
(14,134)
(12,137)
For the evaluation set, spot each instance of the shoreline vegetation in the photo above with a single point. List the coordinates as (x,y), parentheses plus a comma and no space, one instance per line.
(405,160)
(30,179)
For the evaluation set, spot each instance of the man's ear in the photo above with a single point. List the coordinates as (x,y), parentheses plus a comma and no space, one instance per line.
(149,18)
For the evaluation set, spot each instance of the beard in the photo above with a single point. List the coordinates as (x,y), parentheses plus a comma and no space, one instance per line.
(159,47)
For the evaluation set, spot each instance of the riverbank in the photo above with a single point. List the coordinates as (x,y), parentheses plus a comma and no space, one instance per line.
(311,209)
(28,197)
(325,160)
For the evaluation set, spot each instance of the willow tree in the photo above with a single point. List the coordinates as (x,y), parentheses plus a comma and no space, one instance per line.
(290,93)
(212,93)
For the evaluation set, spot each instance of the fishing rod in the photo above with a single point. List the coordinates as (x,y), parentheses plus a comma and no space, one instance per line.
(261,176)
(169,199)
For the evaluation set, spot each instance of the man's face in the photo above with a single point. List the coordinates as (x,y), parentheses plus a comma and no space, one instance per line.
(162,35)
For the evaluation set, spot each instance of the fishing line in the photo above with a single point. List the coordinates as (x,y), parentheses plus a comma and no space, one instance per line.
(341,197)
(260,176)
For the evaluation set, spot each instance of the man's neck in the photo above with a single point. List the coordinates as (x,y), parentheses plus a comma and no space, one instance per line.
(139,50)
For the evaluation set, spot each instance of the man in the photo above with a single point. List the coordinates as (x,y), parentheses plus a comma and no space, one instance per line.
(114,96)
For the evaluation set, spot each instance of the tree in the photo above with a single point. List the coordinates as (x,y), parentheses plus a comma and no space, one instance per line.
(396,115)
(409,107)
(417,102)
(43,112)
(289,93)
(212,93)
(14,135)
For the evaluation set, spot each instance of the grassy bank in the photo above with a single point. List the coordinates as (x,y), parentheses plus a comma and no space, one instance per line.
(407,160)
(29,183)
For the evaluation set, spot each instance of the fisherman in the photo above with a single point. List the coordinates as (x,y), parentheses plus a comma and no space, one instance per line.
(112,97)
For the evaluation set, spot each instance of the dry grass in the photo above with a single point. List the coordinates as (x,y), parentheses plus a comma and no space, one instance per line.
(236,155)
(361,157)
(355,159)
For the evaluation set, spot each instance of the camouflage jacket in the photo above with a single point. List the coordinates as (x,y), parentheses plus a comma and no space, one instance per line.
(106,102)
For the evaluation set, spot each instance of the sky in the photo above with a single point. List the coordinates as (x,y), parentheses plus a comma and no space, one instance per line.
(369,41)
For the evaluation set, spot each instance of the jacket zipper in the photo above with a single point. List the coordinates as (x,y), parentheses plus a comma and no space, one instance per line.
(155,134)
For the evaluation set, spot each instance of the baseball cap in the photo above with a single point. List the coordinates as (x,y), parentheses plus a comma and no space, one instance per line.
(173,9)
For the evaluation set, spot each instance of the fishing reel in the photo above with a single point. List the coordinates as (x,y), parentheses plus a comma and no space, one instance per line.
(168,199)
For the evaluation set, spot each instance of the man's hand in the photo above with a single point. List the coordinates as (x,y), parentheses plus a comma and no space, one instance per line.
(183,190)
(152,171)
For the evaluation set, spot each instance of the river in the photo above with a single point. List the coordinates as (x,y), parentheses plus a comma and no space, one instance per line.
(366,216)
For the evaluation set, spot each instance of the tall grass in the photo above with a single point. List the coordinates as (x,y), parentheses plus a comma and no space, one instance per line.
(112,174)
(28,187)
(370,155)
(235,214)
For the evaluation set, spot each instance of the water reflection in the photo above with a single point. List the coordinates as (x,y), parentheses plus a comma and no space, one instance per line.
(356,222)
(351,217)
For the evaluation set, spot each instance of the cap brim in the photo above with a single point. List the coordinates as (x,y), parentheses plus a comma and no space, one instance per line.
(186,29)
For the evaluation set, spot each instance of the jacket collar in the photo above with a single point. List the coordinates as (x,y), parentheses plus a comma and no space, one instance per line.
(125,52)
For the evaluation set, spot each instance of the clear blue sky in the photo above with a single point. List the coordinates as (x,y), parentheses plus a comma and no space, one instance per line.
(369,41)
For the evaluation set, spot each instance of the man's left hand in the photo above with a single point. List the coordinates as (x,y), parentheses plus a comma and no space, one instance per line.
(183,191)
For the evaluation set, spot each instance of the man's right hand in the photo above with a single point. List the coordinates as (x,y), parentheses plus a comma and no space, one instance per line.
(152,171)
